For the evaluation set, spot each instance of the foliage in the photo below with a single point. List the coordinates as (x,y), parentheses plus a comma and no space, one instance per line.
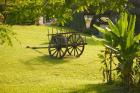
(57,9)
(29,10)
(121,37)
(24,13)
(63,10)
(6,35)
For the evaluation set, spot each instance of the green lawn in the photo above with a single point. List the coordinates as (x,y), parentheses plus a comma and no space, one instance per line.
(25,70)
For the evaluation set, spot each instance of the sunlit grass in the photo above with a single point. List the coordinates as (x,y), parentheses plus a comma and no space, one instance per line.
(25,70)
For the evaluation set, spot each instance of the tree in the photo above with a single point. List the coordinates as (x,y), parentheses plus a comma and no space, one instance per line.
(21,11)
(65,10)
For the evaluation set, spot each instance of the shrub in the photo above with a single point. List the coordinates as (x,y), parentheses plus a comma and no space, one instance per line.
(25,13)
(121,37)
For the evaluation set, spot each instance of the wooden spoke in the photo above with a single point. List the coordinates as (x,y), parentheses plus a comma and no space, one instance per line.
(76,51)
(71,51)
(60,53)
(76,46)
(79,49)
(53,49)
(54,53)
(70,47)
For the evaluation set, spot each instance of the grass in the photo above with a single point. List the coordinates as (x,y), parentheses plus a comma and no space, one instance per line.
(25,70)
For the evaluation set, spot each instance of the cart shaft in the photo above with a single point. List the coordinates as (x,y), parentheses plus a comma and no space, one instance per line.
(42,47)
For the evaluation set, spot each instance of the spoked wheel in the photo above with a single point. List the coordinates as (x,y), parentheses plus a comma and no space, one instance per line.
(75,45)
(57,46)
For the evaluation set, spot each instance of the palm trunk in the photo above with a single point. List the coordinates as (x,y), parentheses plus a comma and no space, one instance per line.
(127,74)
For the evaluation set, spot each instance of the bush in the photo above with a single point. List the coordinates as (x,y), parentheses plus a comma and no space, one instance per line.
(25,13)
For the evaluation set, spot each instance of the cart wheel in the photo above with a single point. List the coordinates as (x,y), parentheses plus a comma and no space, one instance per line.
(57,46)
(75,45)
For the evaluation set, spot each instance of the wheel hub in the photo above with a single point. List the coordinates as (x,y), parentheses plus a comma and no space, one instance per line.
(58,47)
(74,45)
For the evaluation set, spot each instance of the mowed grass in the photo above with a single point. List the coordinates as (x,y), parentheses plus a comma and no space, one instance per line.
(25,70)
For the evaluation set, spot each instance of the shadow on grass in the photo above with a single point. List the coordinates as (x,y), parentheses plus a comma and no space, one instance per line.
(46,59)
(101,88)
(43,60)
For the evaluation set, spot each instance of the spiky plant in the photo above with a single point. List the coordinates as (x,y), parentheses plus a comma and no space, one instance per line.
(121,37)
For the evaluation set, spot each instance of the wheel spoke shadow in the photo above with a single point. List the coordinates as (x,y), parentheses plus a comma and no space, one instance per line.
(44,59)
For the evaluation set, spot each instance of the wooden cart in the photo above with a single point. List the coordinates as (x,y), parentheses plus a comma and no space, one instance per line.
(61,43)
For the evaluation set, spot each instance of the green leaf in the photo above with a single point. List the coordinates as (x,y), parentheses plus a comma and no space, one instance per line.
(131,27)
(137,38)
(113,28)
(123,24)
(102,30)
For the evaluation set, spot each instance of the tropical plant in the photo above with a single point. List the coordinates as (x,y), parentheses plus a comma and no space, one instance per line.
(121,38)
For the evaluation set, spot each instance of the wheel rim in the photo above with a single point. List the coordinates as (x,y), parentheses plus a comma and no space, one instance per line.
(75,45)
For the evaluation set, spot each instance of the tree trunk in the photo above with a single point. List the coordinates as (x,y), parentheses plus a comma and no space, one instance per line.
(78,22)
